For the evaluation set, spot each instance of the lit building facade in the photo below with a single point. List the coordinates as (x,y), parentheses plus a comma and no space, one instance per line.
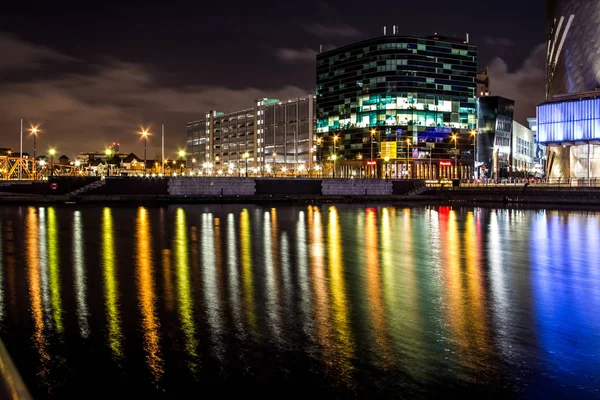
(523,151)
(398,106)
(570,127)
(271,136)
(494,138)
(568,121)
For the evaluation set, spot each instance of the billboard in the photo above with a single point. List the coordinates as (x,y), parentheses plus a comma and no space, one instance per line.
(389,149)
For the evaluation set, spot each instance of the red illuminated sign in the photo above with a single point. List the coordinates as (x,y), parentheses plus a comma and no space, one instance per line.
(445,163)
(371,162)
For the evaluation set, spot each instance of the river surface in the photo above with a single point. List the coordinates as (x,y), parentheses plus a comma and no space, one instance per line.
(337,301)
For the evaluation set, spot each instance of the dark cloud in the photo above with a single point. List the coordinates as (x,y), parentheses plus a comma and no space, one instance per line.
(293,55)
(333,31)
(525,85)
(22,55)
(498,41)
(87,111)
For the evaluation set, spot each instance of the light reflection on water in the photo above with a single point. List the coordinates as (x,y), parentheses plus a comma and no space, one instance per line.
(334,300)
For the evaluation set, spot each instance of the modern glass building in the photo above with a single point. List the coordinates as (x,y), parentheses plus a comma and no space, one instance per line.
(570,126)
(494,139)
(273,136)
(568,121)
(573,46)
(400,106)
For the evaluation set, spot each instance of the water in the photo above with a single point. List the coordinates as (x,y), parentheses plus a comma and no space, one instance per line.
(338,301)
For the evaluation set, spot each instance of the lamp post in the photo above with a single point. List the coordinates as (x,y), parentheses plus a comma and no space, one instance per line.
(274,166)
(319,144)
(245,157)
(455,138)
(373,132)
(108,153)
(407,157)
(34,131)
(181,155)
(334,157)
(474,134)
(52,153)
(145,136)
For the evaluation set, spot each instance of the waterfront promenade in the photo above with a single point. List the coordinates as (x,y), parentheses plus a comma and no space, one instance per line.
(134,190)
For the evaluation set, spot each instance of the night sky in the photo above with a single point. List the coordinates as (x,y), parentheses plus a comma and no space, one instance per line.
(91,73)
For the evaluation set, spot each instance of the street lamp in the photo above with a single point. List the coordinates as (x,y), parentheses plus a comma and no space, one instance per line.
(34,131)
(407,158)
(181,155)
(145,136)
(455,138)
(78,165)
(52,153)
(245,157)
(334,157)
(474,134)
(108,153)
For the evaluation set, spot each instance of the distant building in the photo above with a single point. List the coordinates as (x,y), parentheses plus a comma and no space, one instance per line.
(494,139)
(483,83)
(523,151)
(63,160)
(394,102)
(271,134)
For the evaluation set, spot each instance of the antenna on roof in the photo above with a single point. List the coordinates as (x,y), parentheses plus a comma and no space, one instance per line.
(384,30)
(320,48)
(467,37)
(394,29)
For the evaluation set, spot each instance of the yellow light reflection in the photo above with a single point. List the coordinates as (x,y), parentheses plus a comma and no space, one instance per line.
(270,285)
(2,274)
(302,252)
(248,283)
(54,269)
(111,293)
(35,292)
(168,281)
(374,286)
(341,320)
(233,274)
(184,293)
(79,272)
(150,323)
(319,282)
(211,286)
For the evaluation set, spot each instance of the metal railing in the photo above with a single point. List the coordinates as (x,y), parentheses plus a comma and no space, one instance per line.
(11,384)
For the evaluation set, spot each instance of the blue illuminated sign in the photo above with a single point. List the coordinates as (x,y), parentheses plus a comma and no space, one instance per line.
(577,120)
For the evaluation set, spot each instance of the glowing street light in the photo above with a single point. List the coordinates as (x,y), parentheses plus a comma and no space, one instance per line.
(245,157)
(52,153)
(34,132)
(455,138)
(144,134)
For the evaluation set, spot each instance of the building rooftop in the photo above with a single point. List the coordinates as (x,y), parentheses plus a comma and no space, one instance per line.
(574,97)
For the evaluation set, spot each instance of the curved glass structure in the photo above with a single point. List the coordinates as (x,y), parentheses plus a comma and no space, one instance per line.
(573,46)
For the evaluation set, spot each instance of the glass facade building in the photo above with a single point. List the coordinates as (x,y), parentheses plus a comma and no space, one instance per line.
(405,104)
(494,139)
(272,136)
(573,46)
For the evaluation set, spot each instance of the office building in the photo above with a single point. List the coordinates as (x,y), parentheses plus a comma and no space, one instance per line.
(272,136)
(494,138)
(568,120)
(483,83)
(398,106)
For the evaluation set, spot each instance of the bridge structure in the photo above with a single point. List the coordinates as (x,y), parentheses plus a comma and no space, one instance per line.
(10,166)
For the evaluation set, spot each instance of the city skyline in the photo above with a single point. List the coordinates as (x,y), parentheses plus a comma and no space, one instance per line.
(109,71)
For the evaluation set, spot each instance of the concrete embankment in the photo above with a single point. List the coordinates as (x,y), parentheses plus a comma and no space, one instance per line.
(208,190)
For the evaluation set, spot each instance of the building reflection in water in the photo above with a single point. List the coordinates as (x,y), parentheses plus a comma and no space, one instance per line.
(234,276)
(247,276)
(305,299)
(79,275)
(185,302)
(343,338)
(2,272)
(54,269)
(270,250)
(111,289)
(211,285)
(35,295)
(147,298)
